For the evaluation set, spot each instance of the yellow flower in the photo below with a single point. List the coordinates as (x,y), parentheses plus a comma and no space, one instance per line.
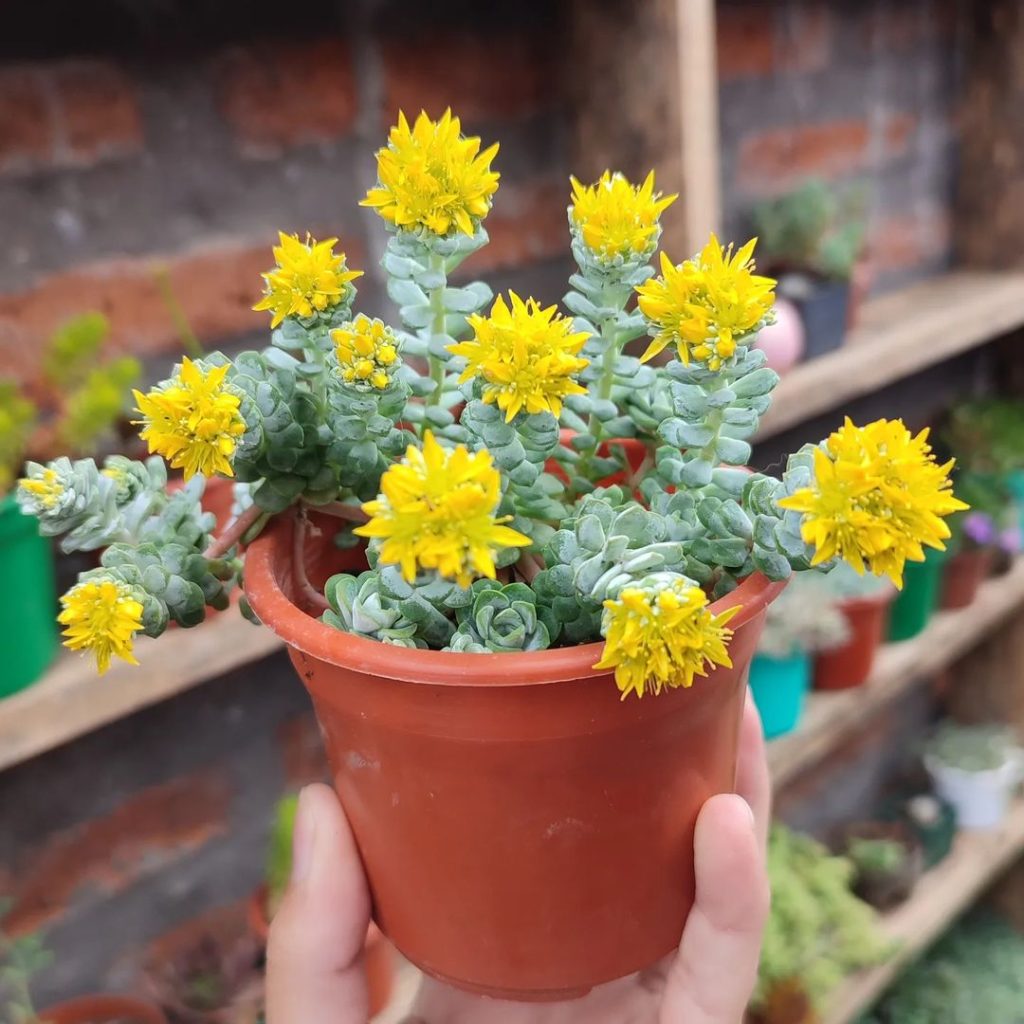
(662,634)
(101,616)
(436,510)
(47,488)
(878,496)
(310,277)
(526,356)
(193,420)
(704,306)
(429,176)
(367,352)
(617,219)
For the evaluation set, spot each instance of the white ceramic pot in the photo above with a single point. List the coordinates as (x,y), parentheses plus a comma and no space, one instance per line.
(980,799)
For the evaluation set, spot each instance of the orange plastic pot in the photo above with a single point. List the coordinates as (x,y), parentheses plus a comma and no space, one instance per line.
(850,664)
(525,833)
(379,961)
(103,1009)
(963,576)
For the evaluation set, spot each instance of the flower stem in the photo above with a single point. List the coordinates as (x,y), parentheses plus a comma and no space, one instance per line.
(339,510)
(233,532)
(437,325)
(307,591)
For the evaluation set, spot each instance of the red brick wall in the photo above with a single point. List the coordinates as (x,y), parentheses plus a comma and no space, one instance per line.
(861,94)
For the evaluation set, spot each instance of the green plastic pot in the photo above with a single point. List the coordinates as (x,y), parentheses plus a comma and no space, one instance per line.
(779,687)
(1015,485)
(919,597)
(28,633)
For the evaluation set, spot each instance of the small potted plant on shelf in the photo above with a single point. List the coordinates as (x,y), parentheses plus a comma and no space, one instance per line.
(933,822)
(378,957)
(887,861)
(23,957)
(803,621)
(813,243)
(566,562)
(863,601)
(817,933)
(976,768)
(83,405)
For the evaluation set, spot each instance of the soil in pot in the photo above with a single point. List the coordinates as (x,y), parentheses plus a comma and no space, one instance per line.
(919,597)
(780,686)
(502,802)
(884,886)
(787,1003)
(103,1009)
(379,958)
(850,664)
(28,602)
(963,576)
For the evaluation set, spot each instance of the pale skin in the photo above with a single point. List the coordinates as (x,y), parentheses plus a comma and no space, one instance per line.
(314,957)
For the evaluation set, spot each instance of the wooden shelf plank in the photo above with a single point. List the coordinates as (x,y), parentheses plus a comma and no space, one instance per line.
(72,699)
(938,899)
(832,716)
(900,334)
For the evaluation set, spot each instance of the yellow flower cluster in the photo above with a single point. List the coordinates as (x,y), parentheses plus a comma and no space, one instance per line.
(660,638)
(429,176)
(437,511)
(617,219)
(704,305)
(526,356)
(101,616)
(310,277)
(878,495)
(46,487)
(193,420)
(367,352)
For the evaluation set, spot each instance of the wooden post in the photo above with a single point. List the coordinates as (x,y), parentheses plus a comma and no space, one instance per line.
(989,211)
(642,79)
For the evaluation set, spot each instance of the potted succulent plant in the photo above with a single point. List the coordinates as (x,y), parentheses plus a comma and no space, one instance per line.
(812,243)
(87,400)
(864,603)
(803,621)
(976,768)
(817,933)
(933,822)
(23,957)
(378,956)
(523,626)
(887,861)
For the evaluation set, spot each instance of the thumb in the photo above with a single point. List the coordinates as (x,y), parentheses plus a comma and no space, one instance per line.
(315,951)
(713,975)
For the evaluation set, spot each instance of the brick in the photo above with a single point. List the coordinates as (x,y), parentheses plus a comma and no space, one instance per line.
(783,155)
(276,96)
(897,132)
(805,42)
(25,123)
(109,853)
(528,224)
(302,751)
(216,285)
(906,241)
(745,38)
(97,113)
(452,69)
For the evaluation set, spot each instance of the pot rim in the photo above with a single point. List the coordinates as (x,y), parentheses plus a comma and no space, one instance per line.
(300,631)
(103,1007)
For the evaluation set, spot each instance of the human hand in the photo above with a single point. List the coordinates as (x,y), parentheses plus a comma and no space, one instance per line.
(315,953)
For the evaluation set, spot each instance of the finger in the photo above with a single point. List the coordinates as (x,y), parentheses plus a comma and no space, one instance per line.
(753,782)
(315,951)
(712,977)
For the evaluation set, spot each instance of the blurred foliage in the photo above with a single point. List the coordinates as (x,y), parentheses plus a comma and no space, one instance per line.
(810,229)
(22,957)
(279,853)
(18,417)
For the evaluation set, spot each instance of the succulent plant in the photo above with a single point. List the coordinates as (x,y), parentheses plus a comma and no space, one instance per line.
(876,856)
(972,748)
(805,618)
(501,618)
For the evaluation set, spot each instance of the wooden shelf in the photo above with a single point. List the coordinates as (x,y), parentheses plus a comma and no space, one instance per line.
(938,899)
(72,699)
(832,716)
(900,334)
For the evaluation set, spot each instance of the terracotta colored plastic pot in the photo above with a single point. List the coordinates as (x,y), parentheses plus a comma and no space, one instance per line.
(963,576)
(850,665)
(101,1009)
(379,961)
(525,833)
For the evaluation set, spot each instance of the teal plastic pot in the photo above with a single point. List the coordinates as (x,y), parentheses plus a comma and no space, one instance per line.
(1015,485)
(915,603)
(28,632)
(780,686)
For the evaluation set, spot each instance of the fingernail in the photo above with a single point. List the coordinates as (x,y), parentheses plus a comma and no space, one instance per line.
(303,836)
(749,810)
